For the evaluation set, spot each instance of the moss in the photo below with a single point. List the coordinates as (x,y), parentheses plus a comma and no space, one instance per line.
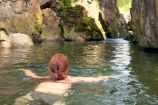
(39,20)
(32,26)
(24,26)
(73,17)
(66,2)
(63,4)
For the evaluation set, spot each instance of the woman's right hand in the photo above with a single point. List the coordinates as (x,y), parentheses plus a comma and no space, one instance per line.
(29,73)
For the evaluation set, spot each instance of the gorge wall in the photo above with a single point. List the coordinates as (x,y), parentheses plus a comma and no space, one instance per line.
(21,16)
(27,17)
(144,15)
(59,19)
(113,20)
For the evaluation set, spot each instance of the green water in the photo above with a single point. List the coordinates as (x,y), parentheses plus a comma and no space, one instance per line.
(134,82)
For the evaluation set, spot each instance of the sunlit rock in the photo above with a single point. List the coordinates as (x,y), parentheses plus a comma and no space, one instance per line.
(92,9)
(17,40)
(23,16)
(20,40)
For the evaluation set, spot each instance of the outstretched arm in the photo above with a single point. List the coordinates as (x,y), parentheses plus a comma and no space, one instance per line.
(31,74)
(89,79)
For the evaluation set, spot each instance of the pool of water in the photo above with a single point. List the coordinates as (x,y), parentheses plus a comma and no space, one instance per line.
(134,72)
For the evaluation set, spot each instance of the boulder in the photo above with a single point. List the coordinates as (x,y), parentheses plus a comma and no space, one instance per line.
(20,40)
(16,40)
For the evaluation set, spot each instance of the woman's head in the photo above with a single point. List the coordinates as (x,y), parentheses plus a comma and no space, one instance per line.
(58,66)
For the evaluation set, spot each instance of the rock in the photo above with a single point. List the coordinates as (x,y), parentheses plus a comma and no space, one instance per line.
(17,40)
(23,16)
(45,3)
(72,35)
(91,9)
(112,17)
(20,40)
(76,25)
(145,22)
(51,25)
(4,39)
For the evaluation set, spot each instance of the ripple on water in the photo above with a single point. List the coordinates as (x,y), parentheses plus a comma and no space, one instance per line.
(133,72)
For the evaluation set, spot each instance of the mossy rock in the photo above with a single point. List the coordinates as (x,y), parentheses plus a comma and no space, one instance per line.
(73,17)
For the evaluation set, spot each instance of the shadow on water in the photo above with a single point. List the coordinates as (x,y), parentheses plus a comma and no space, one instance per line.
(134,82)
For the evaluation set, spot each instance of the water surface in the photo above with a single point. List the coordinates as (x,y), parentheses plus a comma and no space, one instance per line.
(134,82)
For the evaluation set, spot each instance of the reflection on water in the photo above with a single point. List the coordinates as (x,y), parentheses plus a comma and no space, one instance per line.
(92,54)
(134,72)
(121,54)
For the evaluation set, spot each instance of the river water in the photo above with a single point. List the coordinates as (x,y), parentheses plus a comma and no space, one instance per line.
(134,72)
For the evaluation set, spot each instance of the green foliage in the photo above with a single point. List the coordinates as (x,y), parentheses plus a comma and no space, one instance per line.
(124,4)
(66,3)
(71,15)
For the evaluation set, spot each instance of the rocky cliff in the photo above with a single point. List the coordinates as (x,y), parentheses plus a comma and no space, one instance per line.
(113,20)
(48,19)
(144,15)
(59,19)
(31,17)
(75,22)
(22,16)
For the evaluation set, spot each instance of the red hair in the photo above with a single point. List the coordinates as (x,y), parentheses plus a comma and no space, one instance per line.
(58,66)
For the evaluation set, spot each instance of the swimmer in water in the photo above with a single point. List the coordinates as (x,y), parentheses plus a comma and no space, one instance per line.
(56,85)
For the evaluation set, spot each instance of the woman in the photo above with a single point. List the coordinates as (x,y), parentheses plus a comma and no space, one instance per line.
(55,86)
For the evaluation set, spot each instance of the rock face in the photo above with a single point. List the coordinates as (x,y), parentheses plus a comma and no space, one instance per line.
(144,15)
(76,25)
(92,10)
(31,17)
(51,25)
(22,16)
(112,18)
(40,19)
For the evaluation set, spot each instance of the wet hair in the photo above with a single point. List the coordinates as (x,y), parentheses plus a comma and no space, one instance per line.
(58,66)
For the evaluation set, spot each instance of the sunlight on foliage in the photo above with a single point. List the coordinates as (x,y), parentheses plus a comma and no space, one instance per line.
(66,2)
(124,4)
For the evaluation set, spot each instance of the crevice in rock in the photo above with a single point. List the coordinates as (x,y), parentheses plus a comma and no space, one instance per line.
(46,4)
(105,26)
